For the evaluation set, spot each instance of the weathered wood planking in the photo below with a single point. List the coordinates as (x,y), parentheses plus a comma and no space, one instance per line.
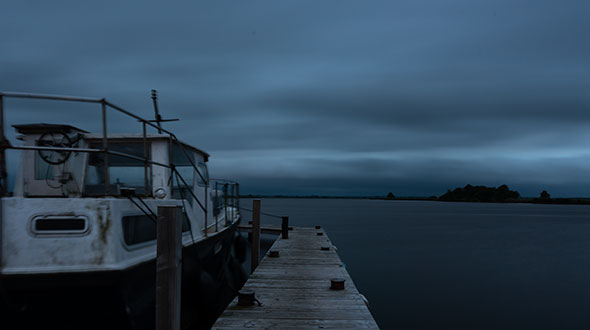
(294,290)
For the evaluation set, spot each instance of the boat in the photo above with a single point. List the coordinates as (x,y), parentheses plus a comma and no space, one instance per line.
(78,231)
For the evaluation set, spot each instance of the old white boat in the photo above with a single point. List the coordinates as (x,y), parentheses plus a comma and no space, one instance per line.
(78,232)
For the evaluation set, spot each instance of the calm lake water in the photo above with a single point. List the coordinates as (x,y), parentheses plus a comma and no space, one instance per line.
(434,265)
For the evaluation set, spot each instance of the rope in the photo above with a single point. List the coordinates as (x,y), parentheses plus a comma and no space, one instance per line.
(262,213)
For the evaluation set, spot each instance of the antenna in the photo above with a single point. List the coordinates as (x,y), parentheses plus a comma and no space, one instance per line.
(158,119)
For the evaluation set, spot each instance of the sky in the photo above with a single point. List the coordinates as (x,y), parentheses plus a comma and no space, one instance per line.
(327,97)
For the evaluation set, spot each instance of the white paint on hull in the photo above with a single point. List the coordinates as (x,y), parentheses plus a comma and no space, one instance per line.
(101,248)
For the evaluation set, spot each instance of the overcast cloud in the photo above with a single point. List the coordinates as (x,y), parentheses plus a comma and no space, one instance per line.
(328,97)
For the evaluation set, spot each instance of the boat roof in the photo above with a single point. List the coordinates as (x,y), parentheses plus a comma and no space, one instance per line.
(41,128)
(136,136)
(44,127)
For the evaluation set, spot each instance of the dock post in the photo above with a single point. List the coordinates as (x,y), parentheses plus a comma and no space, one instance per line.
(255,234)
(3,184)
(168,267)
(238,196)
(285,227)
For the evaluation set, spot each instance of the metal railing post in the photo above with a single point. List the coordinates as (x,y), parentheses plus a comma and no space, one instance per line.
(225,203)
(255,234)
(206,211)
(145,163)
(172,168)
(216,206)
(206,223)
(105,148)
(238,196)
(233,201)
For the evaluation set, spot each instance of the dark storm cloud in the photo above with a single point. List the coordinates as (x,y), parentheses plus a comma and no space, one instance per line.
(338,97)
(415,176)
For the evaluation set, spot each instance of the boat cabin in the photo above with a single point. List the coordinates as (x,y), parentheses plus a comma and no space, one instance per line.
(77,166)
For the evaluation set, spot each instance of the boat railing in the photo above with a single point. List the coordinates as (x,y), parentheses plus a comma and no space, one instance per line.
(105,106)
(227,198)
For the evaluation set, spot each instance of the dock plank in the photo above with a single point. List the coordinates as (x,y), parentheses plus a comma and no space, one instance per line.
(270,323)
(294,290)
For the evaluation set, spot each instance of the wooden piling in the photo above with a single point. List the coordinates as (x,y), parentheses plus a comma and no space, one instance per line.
(285,227)
(255,234)
(168,267)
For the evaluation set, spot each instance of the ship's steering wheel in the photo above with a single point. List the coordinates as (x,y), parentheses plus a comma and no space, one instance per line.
(57,140)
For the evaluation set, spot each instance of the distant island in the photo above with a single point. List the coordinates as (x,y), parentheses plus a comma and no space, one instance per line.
(503,194)
(471,193)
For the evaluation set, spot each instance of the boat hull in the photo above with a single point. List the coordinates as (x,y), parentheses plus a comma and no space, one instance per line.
(211,275)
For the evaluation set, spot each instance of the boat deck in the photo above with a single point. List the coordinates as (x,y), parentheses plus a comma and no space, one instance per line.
(294,289)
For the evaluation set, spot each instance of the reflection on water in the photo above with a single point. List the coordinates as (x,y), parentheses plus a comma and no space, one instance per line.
(433,265)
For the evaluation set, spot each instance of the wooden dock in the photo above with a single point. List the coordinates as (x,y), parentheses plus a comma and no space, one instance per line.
(294,289)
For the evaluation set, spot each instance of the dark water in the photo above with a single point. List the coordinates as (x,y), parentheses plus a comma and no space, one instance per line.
(431,265)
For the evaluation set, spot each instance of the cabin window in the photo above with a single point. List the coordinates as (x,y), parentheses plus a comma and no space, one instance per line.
(123,171)
(142,228)
(59,225)
(203,179)
(183,159)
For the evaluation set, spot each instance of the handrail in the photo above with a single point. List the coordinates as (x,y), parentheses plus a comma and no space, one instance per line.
(50,97)
(88,150)
(80,99)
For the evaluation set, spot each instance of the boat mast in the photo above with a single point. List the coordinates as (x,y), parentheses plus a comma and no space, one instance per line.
(158,119)
(157,113)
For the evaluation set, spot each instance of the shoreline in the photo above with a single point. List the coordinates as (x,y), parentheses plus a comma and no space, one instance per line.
(525,200)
